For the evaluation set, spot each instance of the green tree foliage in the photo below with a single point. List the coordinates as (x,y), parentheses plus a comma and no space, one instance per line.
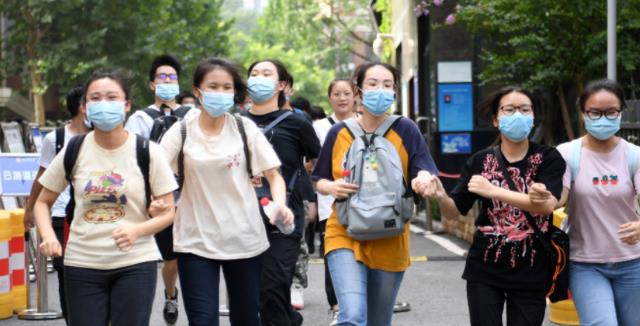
(552,44)
(61,42)
(314,39)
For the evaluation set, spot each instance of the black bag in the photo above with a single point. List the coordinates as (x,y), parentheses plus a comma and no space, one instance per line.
(162,122)
(555,243)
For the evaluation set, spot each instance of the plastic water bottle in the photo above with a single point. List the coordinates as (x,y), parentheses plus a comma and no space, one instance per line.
(273,212)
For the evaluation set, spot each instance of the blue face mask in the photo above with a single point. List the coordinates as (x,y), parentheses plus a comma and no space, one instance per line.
(603,128)
(105,115)
(167,92)
(261,89)
(516,127)
(217,103)
(378,101)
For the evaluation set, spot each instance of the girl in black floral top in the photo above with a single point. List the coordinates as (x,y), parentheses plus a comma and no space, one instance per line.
(506,261)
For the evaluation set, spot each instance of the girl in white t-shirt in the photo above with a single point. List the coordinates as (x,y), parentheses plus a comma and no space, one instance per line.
(604,267)
(218,222)
(110,258)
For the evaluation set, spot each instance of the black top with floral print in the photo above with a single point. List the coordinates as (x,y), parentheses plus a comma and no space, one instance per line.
(505,251)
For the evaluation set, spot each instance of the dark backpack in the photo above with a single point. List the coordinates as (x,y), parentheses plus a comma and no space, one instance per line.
(71,156)
(59,139)
(162,122)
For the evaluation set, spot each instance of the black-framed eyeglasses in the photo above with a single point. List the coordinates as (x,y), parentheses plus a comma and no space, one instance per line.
(163,76)
(595,114)
(525,109)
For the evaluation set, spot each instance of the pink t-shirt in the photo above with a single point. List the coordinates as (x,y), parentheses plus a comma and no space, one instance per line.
(601,199)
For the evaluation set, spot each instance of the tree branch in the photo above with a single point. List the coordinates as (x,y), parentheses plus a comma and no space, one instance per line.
(351,32)
(334,41)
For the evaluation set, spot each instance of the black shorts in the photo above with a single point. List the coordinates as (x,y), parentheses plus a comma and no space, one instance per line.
(164,239)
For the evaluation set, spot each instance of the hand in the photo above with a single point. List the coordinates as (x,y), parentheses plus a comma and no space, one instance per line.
(29,219)
(538,194)
(630,232)
(125,237)
(286,214)
(481,186)
(158,207)
(341,190)
(428,185)
(50,247)
(420,183)
(308,165)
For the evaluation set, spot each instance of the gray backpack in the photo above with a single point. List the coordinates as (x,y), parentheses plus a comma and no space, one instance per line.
(384,202)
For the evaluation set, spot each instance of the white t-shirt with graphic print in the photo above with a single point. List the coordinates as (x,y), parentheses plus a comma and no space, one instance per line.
(109,193)
(218,215)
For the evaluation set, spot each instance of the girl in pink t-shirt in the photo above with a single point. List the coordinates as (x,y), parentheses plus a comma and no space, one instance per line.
(605,230)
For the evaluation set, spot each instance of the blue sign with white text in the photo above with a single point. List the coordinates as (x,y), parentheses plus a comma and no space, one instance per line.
(455,143)
(18,171)
(455,107)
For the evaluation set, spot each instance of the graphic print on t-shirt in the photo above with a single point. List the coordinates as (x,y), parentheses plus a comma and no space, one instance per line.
(509,225)
(104,197)
(233,160)
(605,180)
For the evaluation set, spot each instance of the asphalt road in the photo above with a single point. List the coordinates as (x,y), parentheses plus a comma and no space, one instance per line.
(432,286)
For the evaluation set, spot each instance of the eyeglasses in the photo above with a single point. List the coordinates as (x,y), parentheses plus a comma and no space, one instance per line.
(163,76)
(525,109)
(595,114)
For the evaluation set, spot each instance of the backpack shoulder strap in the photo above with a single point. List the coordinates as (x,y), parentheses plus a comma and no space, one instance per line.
(143,158)
(276,121)
(353,127)
(69,161)
(633,152)
(245,145)
(181,111)
(59,139)
(387,124)
(331,121)
(153,113)
(183,139)
(575,151)
(71,155)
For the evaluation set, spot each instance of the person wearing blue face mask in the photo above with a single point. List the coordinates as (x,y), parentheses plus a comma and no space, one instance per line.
(110,258)
(602,182)
(293,138)
(506,261)
(218,224)
(367,274)
(164,76)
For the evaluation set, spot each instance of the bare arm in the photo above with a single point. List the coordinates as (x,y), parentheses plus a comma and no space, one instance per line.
(36,188)
(539,200)
(279,194)
(430,186)
(50,246)
(564,196)
(277,187)
(126,236)
(339,189)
